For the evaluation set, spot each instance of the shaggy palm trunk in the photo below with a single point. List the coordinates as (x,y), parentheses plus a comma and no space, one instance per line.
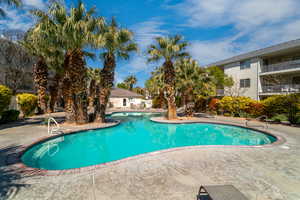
(169,80)
(53,90)
(68,101)
(107,80)
(40,71)
(77,73)
(189,105)
(92,92)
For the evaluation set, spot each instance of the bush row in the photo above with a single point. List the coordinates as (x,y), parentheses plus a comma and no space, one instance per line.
(277,107)
(27,103)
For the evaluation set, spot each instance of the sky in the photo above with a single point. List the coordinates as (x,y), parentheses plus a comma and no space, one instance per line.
(215,29)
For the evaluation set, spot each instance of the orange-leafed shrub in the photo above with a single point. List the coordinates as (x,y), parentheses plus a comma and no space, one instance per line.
(213,104)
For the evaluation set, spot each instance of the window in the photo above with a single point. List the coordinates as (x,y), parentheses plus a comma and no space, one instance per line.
(245,83)
(245,64)
(124,102)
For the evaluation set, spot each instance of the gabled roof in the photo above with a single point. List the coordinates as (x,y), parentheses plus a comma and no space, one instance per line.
(122,93)
(293,44)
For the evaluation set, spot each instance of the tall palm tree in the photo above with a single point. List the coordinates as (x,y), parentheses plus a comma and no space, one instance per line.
(130,81)
(93,82)
(36,46)
(73,30)
(169,49)
(189,81)
(155,86)
(116,43)
(16,3)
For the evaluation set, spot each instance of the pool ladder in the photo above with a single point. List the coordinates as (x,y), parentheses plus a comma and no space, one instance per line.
(53,129)
(264,124)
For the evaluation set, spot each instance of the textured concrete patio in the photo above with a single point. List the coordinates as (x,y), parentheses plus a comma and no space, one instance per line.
(268,173)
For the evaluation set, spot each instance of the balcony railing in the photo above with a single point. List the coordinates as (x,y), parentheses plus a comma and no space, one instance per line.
(294,88)
(294,64)
(220,92)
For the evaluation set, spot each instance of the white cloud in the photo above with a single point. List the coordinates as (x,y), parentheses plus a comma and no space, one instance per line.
(242,14)
(35,3)
(15,20)
(20,18)
(257,23)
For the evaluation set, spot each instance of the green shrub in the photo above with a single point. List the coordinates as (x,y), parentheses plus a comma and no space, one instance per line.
(5,96)
(276,104)
(280,118)
(227,114)
(9,116)
(28,103)
(240,106)
(288,105)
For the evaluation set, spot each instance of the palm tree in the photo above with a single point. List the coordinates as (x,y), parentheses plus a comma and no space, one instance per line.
(116,43)
(189,81)
(16,3)
(73,30)
(169,49)
(130,81)
(36,47)
(155,86)
(93,83)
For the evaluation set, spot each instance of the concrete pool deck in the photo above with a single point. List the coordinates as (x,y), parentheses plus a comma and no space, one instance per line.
(260,173)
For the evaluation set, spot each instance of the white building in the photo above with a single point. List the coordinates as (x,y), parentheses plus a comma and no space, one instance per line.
(121,98)
(265,72)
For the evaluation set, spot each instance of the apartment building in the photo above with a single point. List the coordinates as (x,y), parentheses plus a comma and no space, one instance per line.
(264,72)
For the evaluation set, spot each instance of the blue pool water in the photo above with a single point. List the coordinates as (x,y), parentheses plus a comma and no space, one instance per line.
(135,135)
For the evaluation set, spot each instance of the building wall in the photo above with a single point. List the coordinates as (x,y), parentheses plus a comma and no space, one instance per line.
(118,102)
(237,74)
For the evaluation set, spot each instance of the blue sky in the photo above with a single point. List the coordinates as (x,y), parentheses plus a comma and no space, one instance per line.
(215,29)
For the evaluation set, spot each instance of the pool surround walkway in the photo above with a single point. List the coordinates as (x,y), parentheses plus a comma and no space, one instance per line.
(267,172)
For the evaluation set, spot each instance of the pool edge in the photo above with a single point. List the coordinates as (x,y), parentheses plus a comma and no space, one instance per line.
(37,171)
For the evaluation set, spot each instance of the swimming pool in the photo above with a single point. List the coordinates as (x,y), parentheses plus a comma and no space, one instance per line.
(135,135)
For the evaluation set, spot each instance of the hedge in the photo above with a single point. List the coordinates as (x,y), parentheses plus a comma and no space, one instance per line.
(28,103)
(5,96)
(9,116)
(278,107)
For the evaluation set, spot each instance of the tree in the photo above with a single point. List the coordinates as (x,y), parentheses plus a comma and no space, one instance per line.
(122,86)
(169,49)
(130,81)
(93,83)
(36,47)
(154,86)
(73,30)
(16,3)
(221,79)
(116,43)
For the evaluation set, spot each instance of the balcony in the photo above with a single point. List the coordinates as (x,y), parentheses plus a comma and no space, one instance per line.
(281,89)
(289,65)
(220,92)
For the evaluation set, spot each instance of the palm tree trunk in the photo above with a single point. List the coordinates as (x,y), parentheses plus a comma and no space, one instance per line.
(92,92)
(169,79)
(107,80)
(76,71)
(53,90)
(68,101)
(40,70)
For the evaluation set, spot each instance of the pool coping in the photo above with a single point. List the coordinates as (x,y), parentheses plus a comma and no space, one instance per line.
(43,172)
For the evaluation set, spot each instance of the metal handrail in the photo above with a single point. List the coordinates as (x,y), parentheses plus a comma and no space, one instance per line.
(51,130)
(293,64)
(258,118)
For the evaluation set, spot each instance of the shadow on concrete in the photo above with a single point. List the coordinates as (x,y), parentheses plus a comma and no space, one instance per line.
(30,121)
(10,175)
